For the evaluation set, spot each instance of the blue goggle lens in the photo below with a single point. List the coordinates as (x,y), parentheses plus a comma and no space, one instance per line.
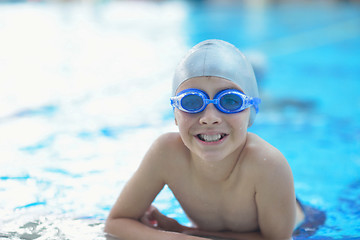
(231,102)
(192,102)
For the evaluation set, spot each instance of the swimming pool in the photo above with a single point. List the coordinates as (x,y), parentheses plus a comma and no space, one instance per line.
(69,139)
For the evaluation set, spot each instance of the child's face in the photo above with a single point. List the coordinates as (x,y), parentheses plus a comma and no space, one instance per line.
(212,134)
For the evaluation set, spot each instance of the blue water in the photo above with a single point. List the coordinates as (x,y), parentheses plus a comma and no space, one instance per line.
(69,137)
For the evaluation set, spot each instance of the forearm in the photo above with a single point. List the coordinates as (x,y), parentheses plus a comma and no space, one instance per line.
(124,229)
(232,235)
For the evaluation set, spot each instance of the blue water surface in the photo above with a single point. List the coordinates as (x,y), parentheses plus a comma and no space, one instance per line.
(84,91)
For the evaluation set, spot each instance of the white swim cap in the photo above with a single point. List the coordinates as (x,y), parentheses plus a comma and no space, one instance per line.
(219,59)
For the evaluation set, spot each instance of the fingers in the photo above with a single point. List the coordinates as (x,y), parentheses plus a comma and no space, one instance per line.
(155,219)
(155,213)
(148,218)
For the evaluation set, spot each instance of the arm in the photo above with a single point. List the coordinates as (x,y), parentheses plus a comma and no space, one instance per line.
(124,219)
(124,229)
(155,219)
(275,197)
(232,235)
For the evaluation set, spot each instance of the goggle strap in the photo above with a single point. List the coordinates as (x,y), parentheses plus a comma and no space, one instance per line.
(255,102)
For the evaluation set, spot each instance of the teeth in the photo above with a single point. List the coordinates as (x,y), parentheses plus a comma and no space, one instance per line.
(210,138)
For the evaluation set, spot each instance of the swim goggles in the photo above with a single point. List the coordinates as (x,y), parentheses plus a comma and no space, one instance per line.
(227,101)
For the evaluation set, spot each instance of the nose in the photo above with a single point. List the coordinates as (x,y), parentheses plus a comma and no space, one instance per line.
(210,116)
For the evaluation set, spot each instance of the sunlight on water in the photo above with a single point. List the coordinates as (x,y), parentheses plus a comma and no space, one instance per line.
(80,87)
(76,52)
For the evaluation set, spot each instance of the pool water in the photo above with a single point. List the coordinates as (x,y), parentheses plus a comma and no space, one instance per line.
(85,87)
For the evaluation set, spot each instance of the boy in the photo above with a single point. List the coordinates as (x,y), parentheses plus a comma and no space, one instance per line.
(230,183)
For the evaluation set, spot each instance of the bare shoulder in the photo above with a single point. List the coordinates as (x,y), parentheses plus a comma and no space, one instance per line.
(169,138)
(264,157)
(261,151)
(168,146)
(168,143)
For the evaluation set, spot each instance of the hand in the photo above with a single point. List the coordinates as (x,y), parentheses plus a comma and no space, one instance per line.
(155,219)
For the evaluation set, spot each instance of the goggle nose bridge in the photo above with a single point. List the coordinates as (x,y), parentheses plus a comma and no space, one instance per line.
(207,101)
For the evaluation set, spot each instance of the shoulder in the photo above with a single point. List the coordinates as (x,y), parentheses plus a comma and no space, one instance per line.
(167,146)
(266,160)
(170,137)
(263,152)
(260,151)
(165,156)
(168,142)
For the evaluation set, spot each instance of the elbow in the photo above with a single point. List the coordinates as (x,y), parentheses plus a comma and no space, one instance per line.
(115,225)
(109,223)
(112,224)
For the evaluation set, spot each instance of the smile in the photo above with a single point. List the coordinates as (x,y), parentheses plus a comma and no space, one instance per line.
(211,138)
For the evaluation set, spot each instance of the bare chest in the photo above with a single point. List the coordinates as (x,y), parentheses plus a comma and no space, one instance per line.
(210,209)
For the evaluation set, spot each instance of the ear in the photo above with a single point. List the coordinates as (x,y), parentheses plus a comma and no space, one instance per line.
(176,123)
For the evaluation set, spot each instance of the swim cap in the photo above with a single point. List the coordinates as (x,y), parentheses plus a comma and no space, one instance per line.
(218,58)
